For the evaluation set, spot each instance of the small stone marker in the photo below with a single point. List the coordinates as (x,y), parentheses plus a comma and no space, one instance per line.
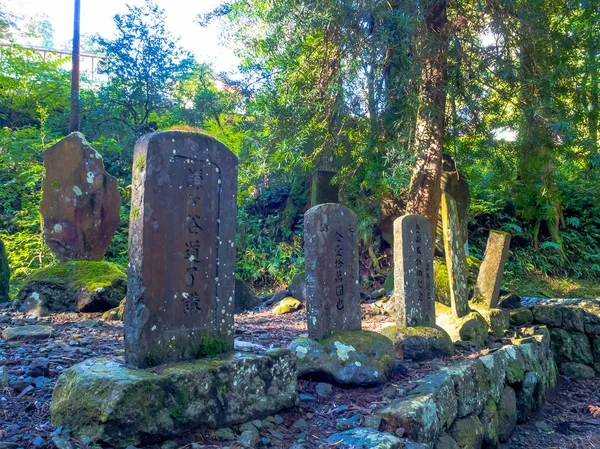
(80,203)
(456,260)
(180,298)
(321,189)
(491,271)
(331,259)
(413,271)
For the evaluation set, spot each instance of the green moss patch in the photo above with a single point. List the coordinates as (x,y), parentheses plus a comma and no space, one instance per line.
(81,274)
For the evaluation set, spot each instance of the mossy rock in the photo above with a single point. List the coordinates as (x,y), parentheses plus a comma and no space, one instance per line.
(4,274)
(420,342)
(442,282)
(297,286)
(521,316)
(472,327)
(357,358)
(468,432)
(576,370)
(287,305)
(497,319)
(562,345)
(245,297)
(75,286)
(489,421)
(116,314)
(507,414)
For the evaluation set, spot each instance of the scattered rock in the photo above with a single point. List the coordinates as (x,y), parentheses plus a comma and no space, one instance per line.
(36,332)
(297,286)
(245,298)
(249,438)
(287,305)
(281,294)
(348,358)
(576,370)
(324,390)
(373,422)
(39,367)
(365,438)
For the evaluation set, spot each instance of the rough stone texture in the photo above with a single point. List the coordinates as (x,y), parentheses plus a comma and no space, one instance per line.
(365,438)
(347,358)
(509,301)
(507,414)
(75,286)
(548,314)
(495,364)
(180,298)
(441,389)
(332,279)
(35,332)
(576,370)
(80,202)
(497,319)
(445,441)
(297,287)
(526,396)
(591,316)
(515,364)
(471,327)
(596,343)
(489,421)
(413,271)
(471,384)
(115,314)
(456,261)
(468,432)
(104,401)
(572,319)
(491,272)
(582,350)
(419,343)
(521,316)
(245,297)
(562,345)
(4,274)
(321,188)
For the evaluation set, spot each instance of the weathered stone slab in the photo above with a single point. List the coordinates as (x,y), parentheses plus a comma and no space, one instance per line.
(322,190)
(456,260)
(108,403)
(80,203)
(413,271)
(34,332)
(491,272)
(180,295)
(331,259)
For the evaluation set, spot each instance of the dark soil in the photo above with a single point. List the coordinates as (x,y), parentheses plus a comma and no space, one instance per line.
(24,404)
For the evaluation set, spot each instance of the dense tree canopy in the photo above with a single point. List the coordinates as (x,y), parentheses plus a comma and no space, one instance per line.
(376,90)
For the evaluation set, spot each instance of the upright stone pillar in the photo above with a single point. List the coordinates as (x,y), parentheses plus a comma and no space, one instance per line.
(491,272)
(456,260)
(413,271)
(180,298)
(331,259)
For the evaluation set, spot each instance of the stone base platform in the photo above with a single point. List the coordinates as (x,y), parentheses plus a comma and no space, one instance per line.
(103,401)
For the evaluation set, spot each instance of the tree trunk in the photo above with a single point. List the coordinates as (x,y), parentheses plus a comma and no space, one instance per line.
(424,191)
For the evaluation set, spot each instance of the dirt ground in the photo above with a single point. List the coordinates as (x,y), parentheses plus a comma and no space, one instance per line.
(566,421)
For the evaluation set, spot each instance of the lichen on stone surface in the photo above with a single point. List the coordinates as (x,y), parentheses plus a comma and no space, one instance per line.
(81,274)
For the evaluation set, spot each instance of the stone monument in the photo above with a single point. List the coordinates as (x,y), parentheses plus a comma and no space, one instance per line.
(80,202)
(179,310)
(331,257)
(491,272)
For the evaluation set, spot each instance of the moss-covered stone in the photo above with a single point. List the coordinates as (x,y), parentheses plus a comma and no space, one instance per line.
(582,350)
(515,364)
(105,402)
(591,316)
(497,320)
(445,441)
(82,286)
(495,365)
(287,305)
(472,327)
(521,316)
(576,370)
(297,286)
(346,358)
(596,348)
(526,396)
(572,319)
(4,274)
(562,345)
(115,314)
(548,314)
(507,414)
(468,432)
(471,385)
(419,343)
(365,438)
(489,421)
